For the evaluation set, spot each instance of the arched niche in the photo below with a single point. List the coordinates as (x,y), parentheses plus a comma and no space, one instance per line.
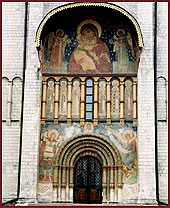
(62,29)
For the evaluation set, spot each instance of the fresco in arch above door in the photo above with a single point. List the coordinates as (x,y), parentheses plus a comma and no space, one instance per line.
(89,47)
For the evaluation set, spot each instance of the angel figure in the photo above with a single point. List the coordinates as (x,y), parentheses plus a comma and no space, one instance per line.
(48,149)
(122,42)
(126,143)
(57,55)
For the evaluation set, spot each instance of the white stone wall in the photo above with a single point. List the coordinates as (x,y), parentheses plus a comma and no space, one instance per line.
(12,64)
(162,70)
(32,104)
(146,129)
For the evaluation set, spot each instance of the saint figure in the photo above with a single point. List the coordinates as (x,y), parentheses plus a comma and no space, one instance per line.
(57,55)
(122,42)
(91,54)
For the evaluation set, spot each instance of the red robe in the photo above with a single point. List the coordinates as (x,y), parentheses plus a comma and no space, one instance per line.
(103,64)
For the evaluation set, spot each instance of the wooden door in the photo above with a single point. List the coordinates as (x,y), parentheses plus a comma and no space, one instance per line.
(88,180)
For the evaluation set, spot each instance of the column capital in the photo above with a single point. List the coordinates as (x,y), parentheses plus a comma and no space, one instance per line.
(82,79)
(96,79)
(134,80)
(69,82)
(56,82)
(122,79)
(44,82)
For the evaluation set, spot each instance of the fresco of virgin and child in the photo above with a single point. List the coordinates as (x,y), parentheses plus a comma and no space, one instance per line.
(89,48)
(91,54)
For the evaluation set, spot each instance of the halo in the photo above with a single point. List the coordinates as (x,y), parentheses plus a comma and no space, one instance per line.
(60,30)
(90,22)
(115,83)
(120,30)
(53,131)
(128,132)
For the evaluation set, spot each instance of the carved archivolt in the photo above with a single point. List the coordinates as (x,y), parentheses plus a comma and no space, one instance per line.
(99,147)
(73,5)
(85,141)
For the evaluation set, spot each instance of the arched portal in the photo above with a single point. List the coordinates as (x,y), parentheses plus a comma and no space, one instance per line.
(98,45)
(70,156)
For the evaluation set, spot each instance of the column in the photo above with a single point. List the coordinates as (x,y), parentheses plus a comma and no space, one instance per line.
(56,102)
(71,184)
(67,183)
(69,103)
(134,100)
(9,104)
(104,185)
(96,87)
(55,184)
(108,183)
(122,100)
(112,185)
(120,183)
(108,101)
(59,183)
(82,102)
(63,184)
(116,184)
(44,91)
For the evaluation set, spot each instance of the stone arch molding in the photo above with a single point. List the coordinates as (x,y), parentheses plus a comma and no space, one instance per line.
(105,151)
(73,5)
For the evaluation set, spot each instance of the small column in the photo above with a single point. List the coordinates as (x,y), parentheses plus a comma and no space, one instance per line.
(56,102)
(54,193)
(104,185)
(82,103)
(69,102)
(96,87)
(134,100)
(9,104)
(112,185)
(71,184)
(59,183)
(122,100)
(63,184)
(44,95)
(120,183)
(67,183)
(116,183)
(108,101)
(55,184)
(108,183)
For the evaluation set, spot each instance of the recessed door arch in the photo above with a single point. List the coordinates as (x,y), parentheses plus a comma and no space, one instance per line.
(88,180)
(102,150)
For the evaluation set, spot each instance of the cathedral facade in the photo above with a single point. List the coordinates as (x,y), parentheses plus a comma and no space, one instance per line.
(84,90)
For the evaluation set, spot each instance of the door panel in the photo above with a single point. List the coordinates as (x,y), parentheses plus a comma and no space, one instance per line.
(88,180)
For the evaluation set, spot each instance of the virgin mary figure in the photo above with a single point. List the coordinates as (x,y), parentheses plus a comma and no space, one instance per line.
(91,54)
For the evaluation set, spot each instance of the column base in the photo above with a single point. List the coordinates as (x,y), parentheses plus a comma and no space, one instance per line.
(26,202)
(56,121)
(42,121)
(82,122)
(69,121)
(95,122)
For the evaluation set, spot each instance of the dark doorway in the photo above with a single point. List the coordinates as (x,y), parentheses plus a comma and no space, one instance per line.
(88,180)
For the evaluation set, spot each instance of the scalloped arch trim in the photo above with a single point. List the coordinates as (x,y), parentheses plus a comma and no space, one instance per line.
(73,5)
